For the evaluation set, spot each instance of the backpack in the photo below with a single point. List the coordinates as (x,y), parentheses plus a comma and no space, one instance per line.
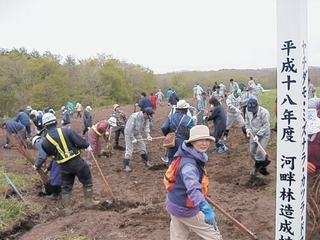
(170,176)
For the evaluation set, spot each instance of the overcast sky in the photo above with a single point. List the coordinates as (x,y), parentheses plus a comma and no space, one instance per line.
(165,36)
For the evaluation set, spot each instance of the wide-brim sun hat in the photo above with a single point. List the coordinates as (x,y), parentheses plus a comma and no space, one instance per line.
(115,106)
(199,132)
(182,104)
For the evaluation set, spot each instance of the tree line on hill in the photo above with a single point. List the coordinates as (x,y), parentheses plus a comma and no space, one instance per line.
(29,78)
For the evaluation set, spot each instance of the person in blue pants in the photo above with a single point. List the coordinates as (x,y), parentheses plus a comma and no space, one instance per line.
(53,167)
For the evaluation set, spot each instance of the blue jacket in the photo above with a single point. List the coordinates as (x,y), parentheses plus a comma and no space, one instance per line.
(23,118)
(53,167)
(188,183)
(170,125)
(42,155)
(87,120)
(38,123)
(173,99)
(144,103)
(14,127)
(66,118)
(73,140)
(219,118)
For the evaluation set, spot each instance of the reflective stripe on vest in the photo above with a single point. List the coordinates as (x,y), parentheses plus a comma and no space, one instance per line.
(64,145)
(94,127)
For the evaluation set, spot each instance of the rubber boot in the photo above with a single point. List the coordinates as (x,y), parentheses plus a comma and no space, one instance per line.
(66,204)
(255,169)
(265,163)
(89,202)
(55,193)
(126,165)
(225,135)
(263,171)
(263,167)
(145,160)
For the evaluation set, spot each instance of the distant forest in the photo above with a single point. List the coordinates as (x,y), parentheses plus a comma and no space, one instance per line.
(29,78)
(267,77)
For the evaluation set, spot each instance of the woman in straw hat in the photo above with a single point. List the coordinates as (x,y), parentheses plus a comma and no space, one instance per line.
(186,202)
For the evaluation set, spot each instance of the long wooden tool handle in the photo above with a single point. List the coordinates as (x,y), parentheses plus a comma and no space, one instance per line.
(104,179)
(235,221)
(145,139)
(262,149)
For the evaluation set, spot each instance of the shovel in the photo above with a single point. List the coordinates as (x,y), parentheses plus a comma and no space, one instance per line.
(105,181)
(266,162)
(262,149)
(235,221)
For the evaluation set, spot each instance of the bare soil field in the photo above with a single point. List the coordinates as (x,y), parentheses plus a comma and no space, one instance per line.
(140,212)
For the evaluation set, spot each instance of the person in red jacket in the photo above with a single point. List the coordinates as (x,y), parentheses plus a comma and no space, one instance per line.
(153,99)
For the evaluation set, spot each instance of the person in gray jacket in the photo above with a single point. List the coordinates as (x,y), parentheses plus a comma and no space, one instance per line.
(245,98)
(234,112)
(137,122)
(258,128)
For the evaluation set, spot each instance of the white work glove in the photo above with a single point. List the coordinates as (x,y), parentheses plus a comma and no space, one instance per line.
(6,145)
(88,149)
(238,110)
(136,104)
(134,140)
(62,121)
(106,133)
(255,138)
(149,138)
(34,167)
(249,131)
(89,128)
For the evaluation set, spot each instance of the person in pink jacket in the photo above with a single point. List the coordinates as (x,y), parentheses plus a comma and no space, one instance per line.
(100,129)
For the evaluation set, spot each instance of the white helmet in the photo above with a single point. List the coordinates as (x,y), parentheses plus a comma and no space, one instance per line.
(112,121)
(48,118)
(35,139)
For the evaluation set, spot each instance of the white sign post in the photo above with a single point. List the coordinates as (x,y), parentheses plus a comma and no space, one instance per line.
(292,115)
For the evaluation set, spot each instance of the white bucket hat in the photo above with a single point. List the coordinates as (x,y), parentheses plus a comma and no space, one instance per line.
(199,132)
(182,104)
(88,108)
